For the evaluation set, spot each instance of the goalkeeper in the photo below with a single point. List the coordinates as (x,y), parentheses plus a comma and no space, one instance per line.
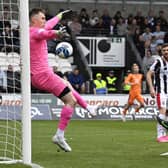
(43,77)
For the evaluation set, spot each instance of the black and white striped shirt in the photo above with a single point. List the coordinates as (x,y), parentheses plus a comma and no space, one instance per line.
(160,69)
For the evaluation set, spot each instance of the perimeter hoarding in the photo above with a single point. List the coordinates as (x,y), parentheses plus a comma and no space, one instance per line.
(48,107)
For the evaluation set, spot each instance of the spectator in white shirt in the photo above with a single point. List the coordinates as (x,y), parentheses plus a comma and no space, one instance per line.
(159,35)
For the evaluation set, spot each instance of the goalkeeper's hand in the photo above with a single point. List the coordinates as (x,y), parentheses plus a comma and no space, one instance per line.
(62,32)
(64,14)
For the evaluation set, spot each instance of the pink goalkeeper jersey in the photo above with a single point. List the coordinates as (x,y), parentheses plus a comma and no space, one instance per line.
(38,46)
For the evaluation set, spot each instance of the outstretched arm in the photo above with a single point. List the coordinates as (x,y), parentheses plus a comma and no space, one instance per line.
(54,21)
(150,83)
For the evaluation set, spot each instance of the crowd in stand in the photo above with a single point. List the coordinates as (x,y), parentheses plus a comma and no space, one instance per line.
(148,33)
(9,32)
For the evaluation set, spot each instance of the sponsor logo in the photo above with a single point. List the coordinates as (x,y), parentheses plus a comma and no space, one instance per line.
(35,112)
(115,113)
(40,112)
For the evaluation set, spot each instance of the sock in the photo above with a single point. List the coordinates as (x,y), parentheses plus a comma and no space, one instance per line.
(124,111)
(66,115)
(60,133)
(161,131)
(162,116)
(79,99)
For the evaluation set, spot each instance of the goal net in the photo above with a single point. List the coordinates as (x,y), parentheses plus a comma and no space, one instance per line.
(15,122)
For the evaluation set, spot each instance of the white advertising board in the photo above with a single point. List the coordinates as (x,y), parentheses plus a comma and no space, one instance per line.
(103,51)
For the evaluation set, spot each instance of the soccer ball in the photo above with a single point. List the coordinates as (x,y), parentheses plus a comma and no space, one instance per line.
(64,50)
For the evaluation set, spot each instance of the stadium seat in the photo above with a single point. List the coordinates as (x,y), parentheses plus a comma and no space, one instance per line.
(13,54)
(4,67)
(13,58)
(64,65)
(65,69)
(52,60)
(3,58)
(16,68)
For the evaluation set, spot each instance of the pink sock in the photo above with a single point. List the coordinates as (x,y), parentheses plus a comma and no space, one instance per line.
(66,115)
(79,99)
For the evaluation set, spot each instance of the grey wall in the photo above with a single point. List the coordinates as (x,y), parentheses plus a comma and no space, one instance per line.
(126,7)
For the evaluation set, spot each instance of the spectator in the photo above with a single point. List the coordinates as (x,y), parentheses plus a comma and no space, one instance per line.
(121,27)
(111,82)
(100,86)
(148,60)
(139,18)
(153,45)
(94,19)
(84,18)
(159,35)
(138,42)
(75,26)
(147,35)
(106,21)
(113,27)
(13,80)
(161,19)
(130,19)
(100,28)
(151,19)
(7,39)
(117,16)
(4,18)
(3,81)
(145,25)
(48,14)
(126,87)
(5,13)
(166,37)
(77,80)
(132,27)
(158,53)
(16,39)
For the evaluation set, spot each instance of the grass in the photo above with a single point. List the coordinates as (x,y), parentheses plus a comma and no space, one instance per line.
(99,144)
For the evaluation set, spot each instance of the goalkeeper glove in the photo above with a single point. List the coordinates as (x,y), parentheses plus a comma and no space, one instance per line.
(62,31)
(64,14)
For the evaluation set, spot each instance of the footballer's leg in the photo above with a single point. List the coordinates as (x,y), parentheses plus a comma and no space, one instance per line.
(161,130)
(140,99)
(162,122)
(127,106)
(90,108)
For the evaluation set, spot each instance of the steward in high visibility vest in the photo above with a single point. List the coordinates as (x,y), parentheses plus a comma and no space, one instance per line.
(126,87)
(111,82)
(100,85)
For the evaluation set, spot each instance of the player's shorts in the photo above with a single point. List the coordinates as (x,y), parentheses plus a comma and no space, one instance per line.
(162,99)
(49,82)
(133,97)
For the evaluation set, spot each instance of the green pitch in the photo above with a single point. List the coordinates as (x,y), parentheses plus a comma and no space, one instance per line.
(99,144)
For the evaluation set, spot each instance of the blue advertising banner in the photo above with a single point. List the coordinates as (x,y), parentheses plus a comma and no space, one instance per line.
(48,107)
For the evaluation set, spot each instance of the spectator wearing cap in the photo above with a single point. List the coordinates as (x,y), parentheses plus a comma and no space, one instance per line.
(111,82)
(100,86)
